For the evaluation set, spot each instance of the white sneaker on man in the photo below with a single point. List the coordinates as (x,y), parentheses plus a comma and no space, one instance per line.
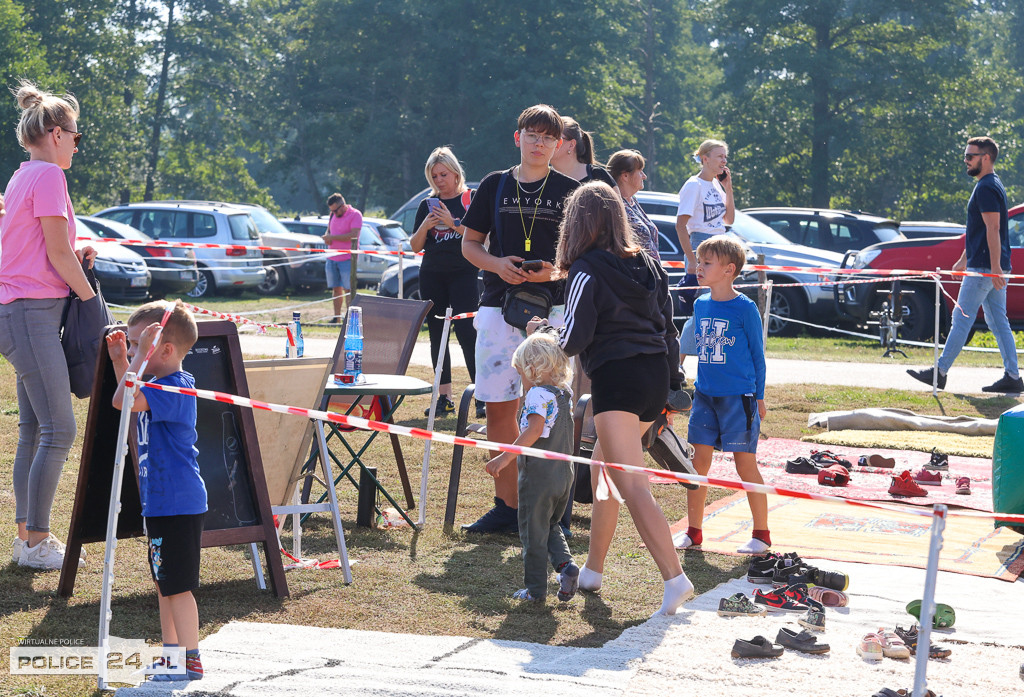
(48,555)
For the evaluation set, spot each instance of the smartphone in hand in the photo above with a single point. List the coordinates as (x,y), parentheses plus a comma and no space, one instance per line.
(433,204)
(532,265)
(723,175)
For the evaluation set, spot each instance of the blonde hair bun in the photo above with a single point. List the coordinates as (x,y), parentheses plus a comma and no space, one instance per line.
(28,95)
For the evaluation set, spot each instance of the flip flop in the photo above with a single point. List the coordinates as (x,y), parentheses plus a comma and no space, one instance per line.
(944,617)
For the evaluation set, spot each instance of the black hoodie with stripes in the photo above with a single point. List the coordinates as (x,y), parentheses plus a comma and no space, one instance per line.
(618,308)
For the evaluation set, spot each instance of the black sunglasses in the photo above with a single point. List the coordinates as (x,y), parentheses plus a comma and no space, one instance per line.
(77,134)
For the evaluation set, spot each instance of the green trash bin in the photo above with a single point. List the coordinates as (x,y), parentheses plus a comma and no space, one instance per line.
(1008,466)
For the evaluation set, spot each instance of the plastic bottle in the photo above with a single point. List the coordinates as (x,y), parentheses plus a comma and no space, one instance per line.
(297,328)
(353,346)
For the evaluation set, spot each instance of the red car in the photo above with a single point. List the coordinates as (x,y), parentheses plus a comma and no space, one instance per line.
(856,301)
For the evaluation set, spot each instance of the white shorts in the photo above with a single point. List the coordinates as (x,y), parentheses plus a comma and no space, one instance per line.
(496,341)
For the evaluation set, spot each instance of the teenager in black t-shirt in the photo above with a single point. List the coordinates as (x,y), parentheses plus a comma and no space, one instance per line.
(528,210)
(446,278)
(575,156)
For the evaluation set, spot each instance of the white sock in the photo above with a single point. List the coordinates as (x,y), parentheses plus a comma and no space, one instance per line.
(589,580)
(677,591)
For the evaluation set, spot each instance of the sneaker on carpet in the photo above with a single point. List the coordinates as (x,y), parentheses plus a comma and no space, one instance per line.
(501,518)
(903,485)
(754,546)
(761,569)
(758,647)
(876,461)
(836,580)
(938,460)
(828,596)
(802,641)
(836,475)
(925,375)
(785,576)
(870,647)
(963,486)
(774,600)
(739,605)
(802,465)
(444,407)
(1006,385)
(892,645)
(814,619)
(828,458)
(568,582)
(48,555)
(928,477)
(909,637)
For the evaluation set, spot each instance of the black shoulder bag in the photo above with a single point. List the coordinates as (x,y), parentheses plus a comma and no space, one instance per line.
(521,304)
(81,331)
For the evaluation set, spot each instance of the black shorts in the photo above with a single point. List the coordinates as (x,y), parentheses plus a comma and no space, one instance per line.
(174,544)
(638,384)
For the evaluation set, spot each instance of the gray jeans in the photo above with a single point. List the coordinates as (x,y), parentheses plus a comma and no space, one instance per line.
(29,340)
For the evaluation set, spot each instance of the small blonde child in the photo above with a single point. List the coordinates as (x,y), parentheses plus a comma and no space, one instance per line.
(728,398)
(544,485)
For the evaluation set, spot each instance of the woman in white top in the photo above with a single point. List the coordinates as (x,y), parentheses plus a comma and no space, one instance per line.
(705,205)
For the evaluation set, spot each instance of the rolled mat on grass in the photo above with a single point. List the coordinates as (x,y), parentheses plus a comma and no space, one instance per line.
(828,530)
(924,441)
(866,483)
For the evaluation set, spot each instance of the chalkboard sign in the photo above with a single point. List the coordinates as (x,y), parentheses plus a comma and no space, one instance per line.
(229,460)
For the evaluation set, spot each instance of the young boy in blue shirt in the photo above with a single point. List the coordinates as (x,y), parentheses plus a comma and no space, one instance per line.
(728,401)
(171,489)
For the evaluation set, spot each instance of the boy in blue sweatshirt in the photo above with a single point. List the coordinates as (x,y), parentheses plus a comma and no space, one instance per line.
(728,401)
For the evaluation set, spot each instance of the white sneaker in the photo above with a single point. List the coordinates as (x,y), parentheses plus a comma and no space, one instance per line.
(16,549)
(48,554)
(682,541)
(755,546)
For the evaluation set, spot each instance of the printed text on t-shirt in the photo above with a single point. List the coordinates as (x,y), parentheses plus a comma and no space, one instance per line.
(712,338)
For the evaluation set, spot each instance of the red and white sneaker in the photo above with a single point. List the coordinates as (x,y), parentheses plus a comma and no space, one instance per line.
(928,478)
(778,601)
(905,486)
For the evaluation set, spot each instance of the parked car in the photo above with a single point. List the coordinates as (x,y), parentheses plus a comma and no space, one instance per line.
(296,269)
(410,280)
(220,270)
(173,270)
(122,273)
(391,233)
(405,216)
(916,229)
(369,267)
(857,301)
(824,228)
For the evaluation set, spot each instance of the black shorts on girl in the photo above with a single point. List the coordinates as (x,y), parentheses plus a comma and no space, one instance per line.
(174,545)
(638,385)
(730,424)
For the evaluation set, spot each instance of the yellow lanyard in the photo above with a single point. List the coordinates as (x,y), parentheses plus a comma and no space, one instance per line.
(540,194)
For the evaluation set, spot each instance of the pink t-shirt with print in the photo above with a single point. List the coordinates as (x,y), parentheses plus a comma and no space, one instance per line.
(36,190)
(338,226)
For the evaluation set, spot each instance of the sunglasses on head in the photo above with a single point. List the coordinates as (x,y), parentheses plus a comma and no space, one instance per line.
(77,134)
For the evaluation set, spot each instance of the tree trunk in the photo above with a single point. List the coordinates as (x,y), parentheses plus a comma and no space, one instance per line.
(821,79)
(161,95)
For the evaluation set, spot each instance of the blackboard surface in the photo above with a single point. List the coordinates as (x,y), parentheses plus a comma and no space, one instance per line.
(229,460)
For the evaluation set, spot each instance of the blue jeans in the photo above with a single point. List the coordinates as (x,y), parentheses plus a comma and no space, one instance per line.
(975,292)
(29,339)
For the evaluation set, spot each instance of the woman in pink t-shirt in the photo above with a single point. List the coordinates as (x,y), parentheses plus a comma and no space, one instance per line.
(38,264)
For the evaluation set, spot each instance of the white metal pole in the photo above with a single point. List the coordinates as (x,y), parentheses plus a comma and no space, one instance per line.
(935,349)
(767,312)
(430,417)
(111,540)
(924,630)
(401,276)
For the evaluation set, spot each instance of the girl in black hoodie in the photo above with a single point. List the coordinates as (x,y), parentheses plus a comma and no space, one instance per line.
(618,317)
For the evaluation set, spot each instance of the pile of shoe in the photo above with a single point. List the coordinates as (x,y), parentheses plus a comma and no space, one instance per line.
(883,643)
(786,569)
(759,647)
(904,486)
(907,485)
(830,468)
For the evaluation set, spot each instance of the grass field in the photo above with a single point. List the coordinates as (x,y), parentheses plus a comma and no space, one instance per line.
(425,582)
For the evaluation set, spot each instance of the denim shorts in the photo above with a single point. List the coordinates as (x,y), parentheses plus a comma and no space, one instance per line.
(730,424)
(339,273)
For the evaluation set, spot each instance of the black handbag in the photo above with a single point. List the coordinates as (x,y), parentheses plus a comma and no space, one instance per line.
(81,331)
(523,304)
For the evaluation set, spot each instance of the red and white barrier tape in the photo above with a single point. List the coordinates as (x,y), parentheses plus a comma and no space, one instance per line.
(423,434)
(168,309)
(243,247)
(238,319)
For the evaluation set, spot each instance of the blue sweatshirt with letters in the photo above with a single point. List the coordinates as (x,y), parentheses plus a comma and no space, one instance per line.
(730,347)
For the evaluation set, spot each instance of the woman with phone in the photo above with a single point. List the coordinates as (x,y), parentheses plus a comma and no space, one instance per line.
(705,205)
(575,156)
(446,278)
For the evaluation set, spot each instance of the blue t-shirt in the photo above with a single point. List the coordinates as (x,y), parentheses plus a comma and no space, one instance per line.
(988,196)
(169,479)
(730,347)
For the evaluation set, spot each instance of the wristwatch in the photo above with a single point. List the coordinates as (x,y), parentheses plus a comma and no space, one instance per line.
(456,222)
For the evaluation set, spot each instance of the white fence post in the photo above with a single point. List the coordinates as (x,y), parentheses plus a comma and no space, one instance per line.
(430,417)
(924,629)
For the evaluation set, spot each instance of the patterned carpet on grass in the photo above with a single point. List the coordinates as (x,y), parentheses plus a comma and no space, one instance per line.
(924,441)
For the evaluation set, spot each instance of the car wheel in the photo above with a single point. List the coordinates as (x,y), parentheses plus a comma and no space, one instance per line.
(411,290)
(204,286)
(918,315)
(787,303)
(276,280)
